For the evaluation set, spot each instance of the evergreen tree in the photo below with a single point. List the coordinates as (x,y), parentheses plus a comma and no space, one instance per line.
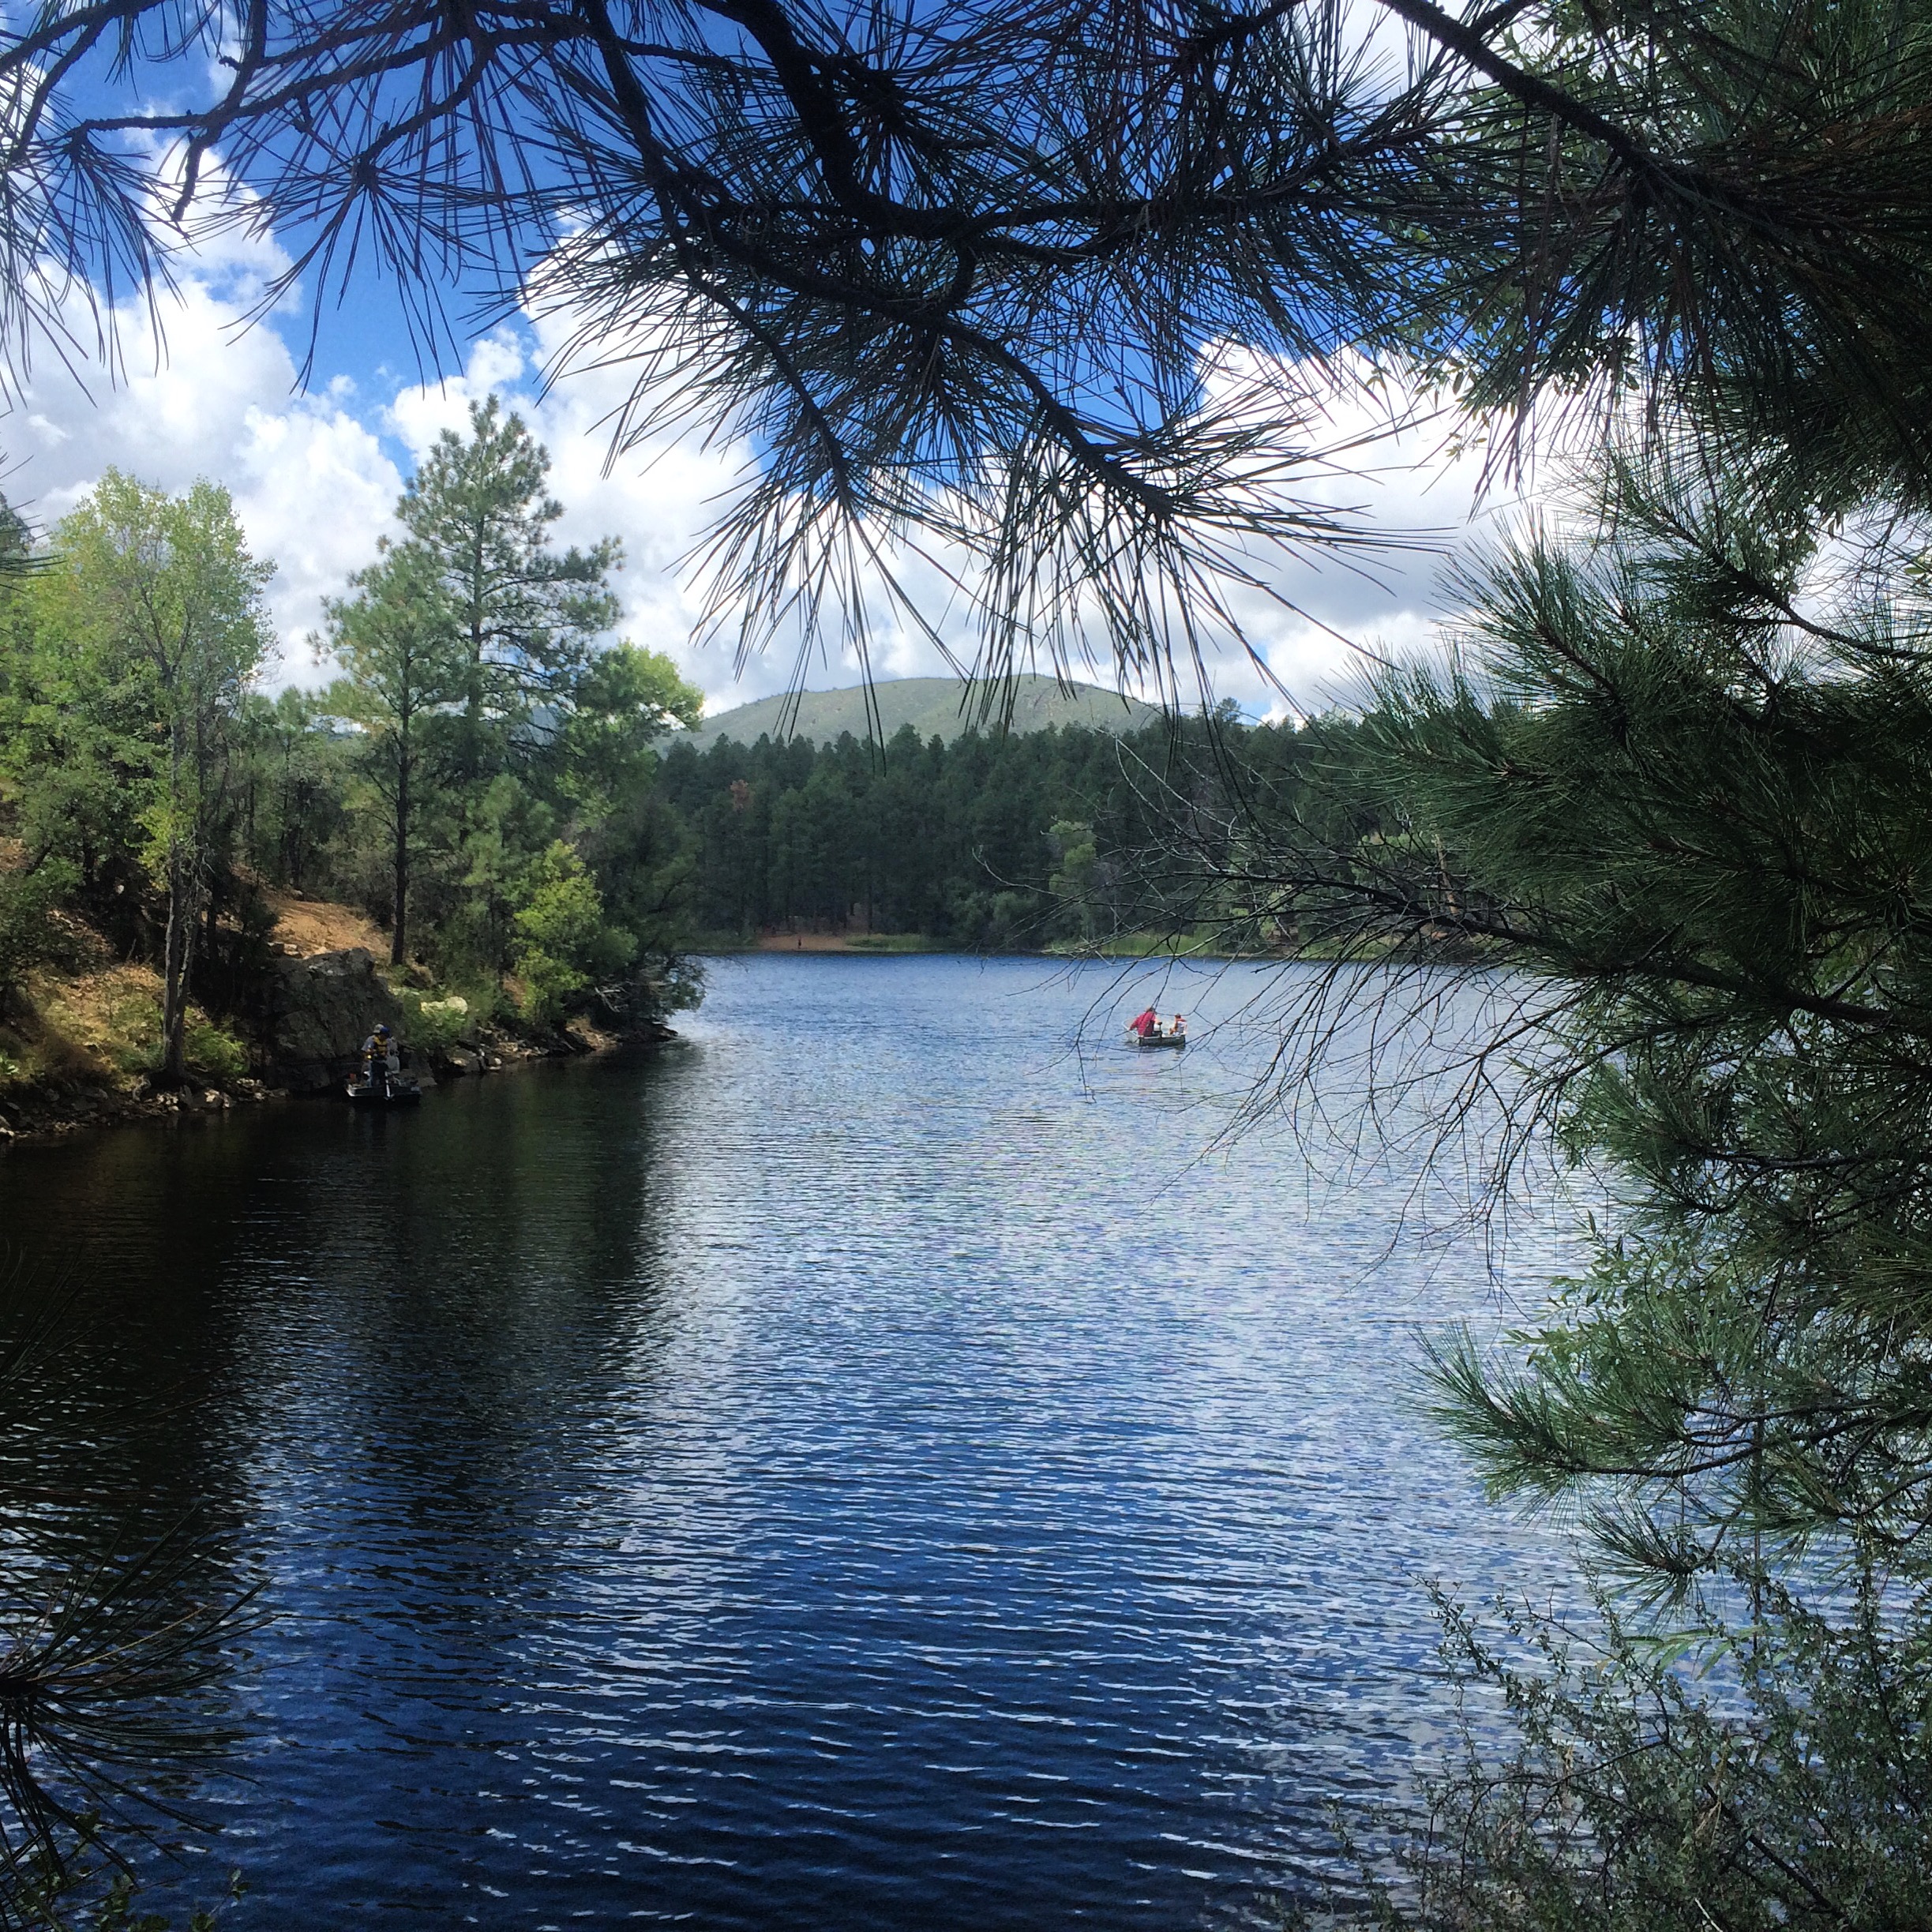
(478,513)
(293,785)
(1674,783)
(406,673)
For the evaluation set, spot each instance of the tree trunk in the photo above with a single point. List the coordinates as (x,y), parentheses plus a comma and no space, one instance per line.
(177,948)
(399,925)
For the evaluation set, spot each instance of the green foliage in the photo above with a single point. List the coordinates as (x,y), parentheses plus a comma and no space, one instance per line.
(1675,778)
(1013,842)
(119,1910)
(563,942)
(71,1892)
(210,1051)
(160,600)
(1075,881)
(485,727)
(433,1026)
(524,618)
(405,672)
(214,1053)
(1704,814)
(292,781)
(1787,1786)
(29,935)
(623,699)
(77,747)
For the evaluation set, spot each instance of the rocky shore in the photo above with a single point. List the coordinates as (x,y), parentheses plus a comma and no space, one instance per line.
(303,1024)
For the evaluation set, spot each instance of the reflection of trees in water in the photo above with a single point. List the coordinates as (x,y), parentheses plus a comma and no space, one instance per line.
(294,1327)
(414,1308)
(470,1298)
(113,1691)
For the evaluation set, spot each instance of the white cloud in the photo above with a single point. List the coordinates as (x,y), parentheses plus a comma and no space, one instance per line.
(211,398)
(314,486)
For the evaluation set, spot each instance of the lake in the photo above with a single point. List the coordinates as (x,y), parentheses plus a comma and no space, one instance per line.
(872,1463)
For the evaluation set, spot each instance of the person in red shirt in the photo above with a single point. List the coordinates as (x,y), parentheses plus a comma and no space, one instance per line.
(1146,1023)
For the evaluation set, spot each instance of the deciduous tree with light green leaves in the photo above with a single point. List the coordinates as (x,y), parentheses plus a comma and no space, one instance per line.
(162,591)
(563,940)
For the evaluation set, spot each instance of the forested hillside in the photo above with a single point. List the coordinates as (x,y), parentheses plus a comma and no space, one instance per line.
(934,708)
(1009,841)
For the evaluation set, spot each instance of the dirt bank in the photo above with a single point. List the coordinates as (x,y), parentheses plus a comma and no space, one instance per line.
(77,1048)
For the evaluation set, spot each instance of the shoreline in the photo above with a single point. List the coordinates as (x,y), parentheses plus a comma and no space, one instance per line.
(914,946)
(57,1114)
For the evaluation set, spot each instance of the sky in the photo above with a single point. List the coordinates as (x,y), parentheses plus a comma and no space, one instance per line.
(315,468)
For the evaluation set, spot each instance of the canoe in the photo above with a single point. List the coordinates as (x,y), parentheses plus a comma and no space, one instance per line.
(1150,1042)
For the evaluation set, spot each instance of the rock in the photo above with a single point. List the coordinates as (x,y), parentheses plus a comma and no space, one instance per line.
(317,1012)
(459,1061)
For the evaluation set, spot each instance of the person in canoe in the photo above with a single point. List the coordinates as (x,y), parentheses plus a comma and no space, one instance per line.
(1178,1027)
(1146,1025)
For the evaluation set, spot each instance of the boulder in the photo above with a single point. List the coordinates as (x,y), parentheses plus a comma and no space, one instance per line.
(317,1013)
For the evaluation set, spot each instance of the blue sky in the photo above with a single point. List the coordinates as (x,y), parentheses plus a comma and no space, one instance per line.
(315,471)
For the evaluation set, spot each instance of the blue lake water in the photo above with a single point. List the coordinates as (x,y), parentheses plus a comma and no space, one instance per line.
(874,1463)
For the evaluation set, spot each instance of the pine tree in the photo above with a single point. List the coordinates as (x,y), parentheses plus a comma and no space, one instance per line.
(479,514)
(407,676)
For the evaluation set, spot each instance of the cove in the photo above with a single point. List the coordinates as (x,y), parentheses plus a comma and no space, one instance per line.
(869,1464)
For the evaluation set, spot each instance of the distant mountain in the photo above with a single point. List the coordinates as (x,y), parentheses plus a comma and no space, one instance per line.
(932,706)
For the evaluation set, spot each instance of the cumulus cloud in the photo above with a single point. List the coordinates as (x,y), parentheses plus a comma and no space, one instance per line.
(315,478)
(210,397)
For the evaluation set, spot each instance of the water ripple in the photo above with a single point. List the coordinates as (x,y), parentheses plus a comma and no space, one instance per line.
(861,1468)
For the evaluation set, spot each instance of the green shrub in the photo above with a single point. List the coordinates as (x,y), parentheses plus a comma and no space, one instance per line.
(1786,1783)
(211,1052)
(136,1025)
(214,1054)
(562,942)
(28,936)
(435,1025)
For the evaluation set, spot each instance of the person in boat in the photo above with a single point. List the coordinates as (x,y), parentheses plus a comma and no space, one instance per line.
(380,1060)
(1148,1024)
(1178,1027)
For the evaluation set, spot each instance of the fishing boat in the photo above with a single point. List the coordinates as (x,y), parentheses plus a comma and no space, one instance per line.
(1149,1042)
(383,1090)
